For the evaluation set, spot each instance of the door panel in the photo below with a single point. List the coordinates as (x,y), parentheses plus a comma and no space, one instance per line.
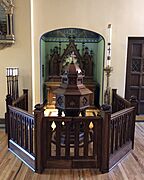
(135,72)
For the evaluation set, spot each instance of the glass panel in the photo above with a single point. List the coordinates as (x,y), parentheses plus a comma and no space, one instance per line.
(136,65)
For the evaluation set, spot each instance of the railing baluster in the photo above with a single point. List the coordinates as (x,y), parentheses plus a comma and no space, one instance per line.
(77,132)
(26,134)
(95,139)
(124,129)
(21,132)
(10,124)
(116,134)
(120,130)
(112,130)
(67,141)
(49,138)
(13,122)
(33,129)
(129,124)
(86,133)
(130,129)
(58,139)
(30,132)
(99,141)
(19,129)
(14,128)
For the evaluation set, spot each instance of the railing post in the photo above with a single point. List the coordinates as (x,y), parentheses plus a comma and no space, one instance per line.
(38,115)
(106,117)
(25,91)
(114,92)
(133,101)
(8,102)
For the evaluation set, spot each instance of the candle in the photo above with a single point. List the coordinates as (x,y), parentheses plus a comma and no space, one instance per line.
(109,40)
(109,33)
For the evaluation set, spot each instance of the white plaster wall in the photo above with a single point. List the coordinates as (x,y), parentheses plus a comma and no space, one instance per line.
(18,55)
(126,17)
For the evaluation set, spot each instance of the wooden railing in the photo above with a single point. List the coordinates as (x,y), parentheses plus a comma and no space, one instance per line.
(118,103)
(117,131)
(72,142)
(21,135)
(21,102)
(122,126)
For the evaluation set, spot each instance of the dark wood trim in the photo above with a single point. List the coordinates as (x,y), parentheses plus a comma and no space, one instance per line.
(22,154)
(68,164)
(139,121)
(2,121)
(118,155)
(134,76)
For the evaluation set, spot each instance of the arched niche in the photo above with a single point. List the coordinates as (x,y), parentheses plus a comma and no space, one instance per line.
(56,46)
(6,23)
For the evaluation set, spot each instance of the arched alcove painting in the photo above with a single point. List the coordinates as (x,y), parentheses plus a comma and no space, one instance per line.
(57,49)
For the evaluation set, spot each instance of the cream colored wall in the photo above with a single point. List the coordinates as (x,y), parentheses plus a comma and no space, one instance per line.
(126,18)
(19,55)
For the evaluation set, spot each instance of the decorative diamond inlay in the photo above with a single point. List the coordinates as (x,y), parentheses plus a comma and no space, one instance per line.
(84,101)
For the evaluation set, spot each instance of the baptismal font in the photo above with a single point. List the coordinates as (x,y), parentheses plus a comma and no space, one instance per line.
(72,97)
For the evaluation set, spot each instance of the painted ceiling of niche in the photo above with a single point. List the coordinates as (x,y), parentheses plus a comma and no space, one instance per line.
(79,35)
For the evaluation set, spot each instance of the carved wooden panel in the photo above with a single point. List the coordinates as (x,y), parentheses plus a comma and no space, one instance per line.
(58,62)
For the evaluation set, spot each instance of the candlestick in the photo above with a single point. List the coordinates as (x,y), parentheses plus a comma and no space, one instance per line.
(108,71)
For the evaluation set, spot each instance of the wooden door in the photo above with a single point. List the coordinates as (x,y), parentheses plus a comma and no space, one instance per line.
(135,72)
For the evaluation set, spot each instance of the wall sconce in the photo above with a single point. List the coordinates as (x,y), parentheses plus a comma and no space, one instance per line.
(12,74)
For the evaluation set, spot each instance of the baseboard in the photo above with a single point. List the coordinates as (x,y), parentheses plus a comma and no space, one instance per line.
(139,121)
(140,118)
(2,123)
